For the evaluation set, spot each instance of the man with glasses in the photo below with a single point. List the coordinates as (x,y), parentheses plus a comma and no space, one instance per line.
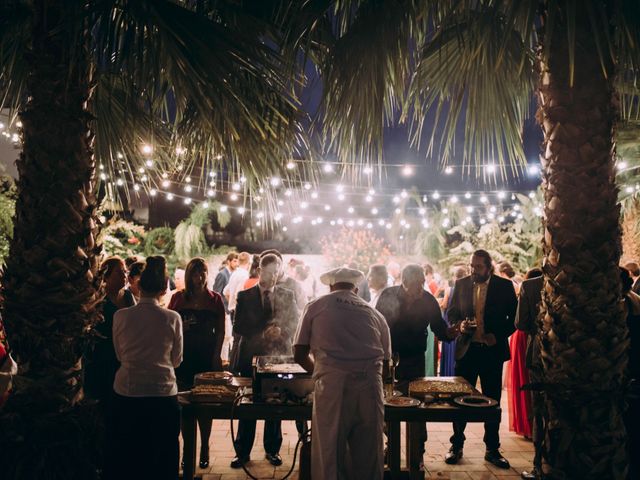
(484,307)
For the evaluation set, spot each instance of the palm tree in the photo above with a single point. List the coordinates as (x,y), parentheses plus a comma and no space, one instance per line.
(117,72)
(479,63)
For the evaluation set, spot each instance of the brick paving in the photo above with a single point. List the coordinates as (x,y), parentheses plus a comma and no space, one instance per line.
(472,466)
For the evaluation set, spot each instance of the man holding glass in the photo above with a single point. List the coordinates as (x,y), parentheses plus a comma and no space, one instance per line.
(484,306)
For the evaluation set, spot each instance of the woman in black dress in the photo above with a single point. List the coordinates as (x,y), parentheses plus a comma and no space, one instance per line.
(99,362)
(202,313)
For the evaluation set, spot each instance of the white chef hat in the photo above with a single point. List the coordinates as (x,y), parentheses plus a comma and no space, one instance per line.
(342,275)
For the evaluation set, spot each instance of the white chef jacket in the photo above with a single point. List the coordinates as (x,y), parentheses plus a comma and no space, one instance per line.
(343,331)
(349,339)
(148,342)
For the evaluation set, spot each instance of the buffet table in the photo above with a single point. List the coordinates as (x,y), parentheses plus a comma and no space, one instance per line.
(444,411)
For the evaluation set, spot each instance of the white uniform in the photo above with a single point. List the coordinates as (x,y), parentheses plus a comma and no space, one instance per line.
(349,341)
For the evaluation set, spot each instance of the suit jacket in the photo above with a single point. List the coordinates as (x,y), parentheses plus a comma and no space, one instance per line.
(408,322)
(527,314)
(250,322)
(222,278)
(499,314)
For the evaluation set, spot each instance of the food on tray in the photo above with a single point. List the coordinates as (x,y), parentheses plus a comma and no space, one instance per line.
(213,393)
(281,368)
(402,402)
(215,375)
(213,378)
(439,387)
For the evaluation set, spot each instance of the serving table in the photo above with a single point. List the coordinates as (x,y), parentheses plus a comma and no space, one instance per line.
(444,411)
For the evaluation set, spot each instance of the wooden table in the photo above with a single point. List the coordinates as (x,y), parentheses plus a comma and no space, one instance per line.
(412,416)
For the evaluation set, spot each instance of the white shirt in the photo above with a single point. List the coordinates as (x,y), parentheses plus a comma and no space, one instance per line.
(375,295)
(148,343)
(236,284)
(344,332)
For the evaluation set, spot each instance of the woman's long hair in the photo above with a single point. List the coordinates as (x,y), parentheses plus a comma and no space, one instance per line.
(197,264)
(107,266)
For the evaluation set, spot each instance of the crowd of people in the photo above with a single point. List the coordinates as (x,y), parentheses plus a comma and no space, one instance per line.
(154,339)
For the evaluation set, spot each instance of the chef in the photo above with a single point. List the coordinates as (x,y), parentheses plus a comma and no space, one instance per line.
(343,342)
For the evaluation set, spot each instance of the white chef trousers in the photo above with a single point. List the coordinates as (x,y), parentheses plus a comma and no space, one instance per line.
(347,425)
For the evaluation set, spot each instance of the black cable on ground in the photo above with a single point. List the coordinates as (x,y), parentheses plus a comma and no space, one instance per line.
(236,401)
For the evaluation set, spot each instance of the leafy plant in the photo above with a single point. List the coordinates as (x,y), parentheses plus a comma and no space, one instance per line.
(7,211)
(189,235)
(361,247)
(122,238)
(159,241)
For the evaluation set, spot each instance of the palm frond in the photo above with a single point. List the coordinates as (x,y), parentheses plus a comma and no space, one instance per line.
(220,86)
(15,20)
(123,124)
(365,77)
(481,66)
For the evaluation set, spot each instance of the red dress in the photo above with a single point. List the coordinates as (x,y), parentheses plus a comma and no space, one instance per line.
(519,400)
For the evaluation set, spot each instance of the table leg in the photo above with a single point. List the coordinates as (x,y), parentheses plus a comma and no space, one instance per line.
(393,448)
(415,439)
(188,444)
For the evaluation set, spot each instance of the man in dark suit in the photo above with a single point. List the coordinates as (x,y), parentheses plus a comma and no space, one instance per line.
(484,306)
(266,318)
(526,316)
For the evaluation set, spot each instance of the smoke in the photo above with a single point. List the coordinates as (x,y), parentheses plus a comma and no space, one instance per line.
(279,333)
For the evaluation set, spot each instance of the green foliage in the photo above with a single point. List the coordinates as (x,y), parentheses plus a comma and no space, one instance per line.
(159,241)
(122,238)
(517,240)
(7,211)
(189,235)
(361,247)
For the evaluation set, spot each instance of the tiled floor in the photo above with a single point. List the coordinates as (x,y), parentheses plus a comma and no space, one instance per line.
(516,449)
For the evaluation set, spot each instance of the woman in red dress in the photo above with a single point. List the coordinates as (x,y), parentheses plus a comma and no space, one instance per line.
(202,313)
(520,413)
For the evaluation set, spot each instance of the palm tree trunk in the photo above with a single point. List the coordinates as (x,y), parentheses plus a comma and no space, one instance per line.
(583,337)
(49,285)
